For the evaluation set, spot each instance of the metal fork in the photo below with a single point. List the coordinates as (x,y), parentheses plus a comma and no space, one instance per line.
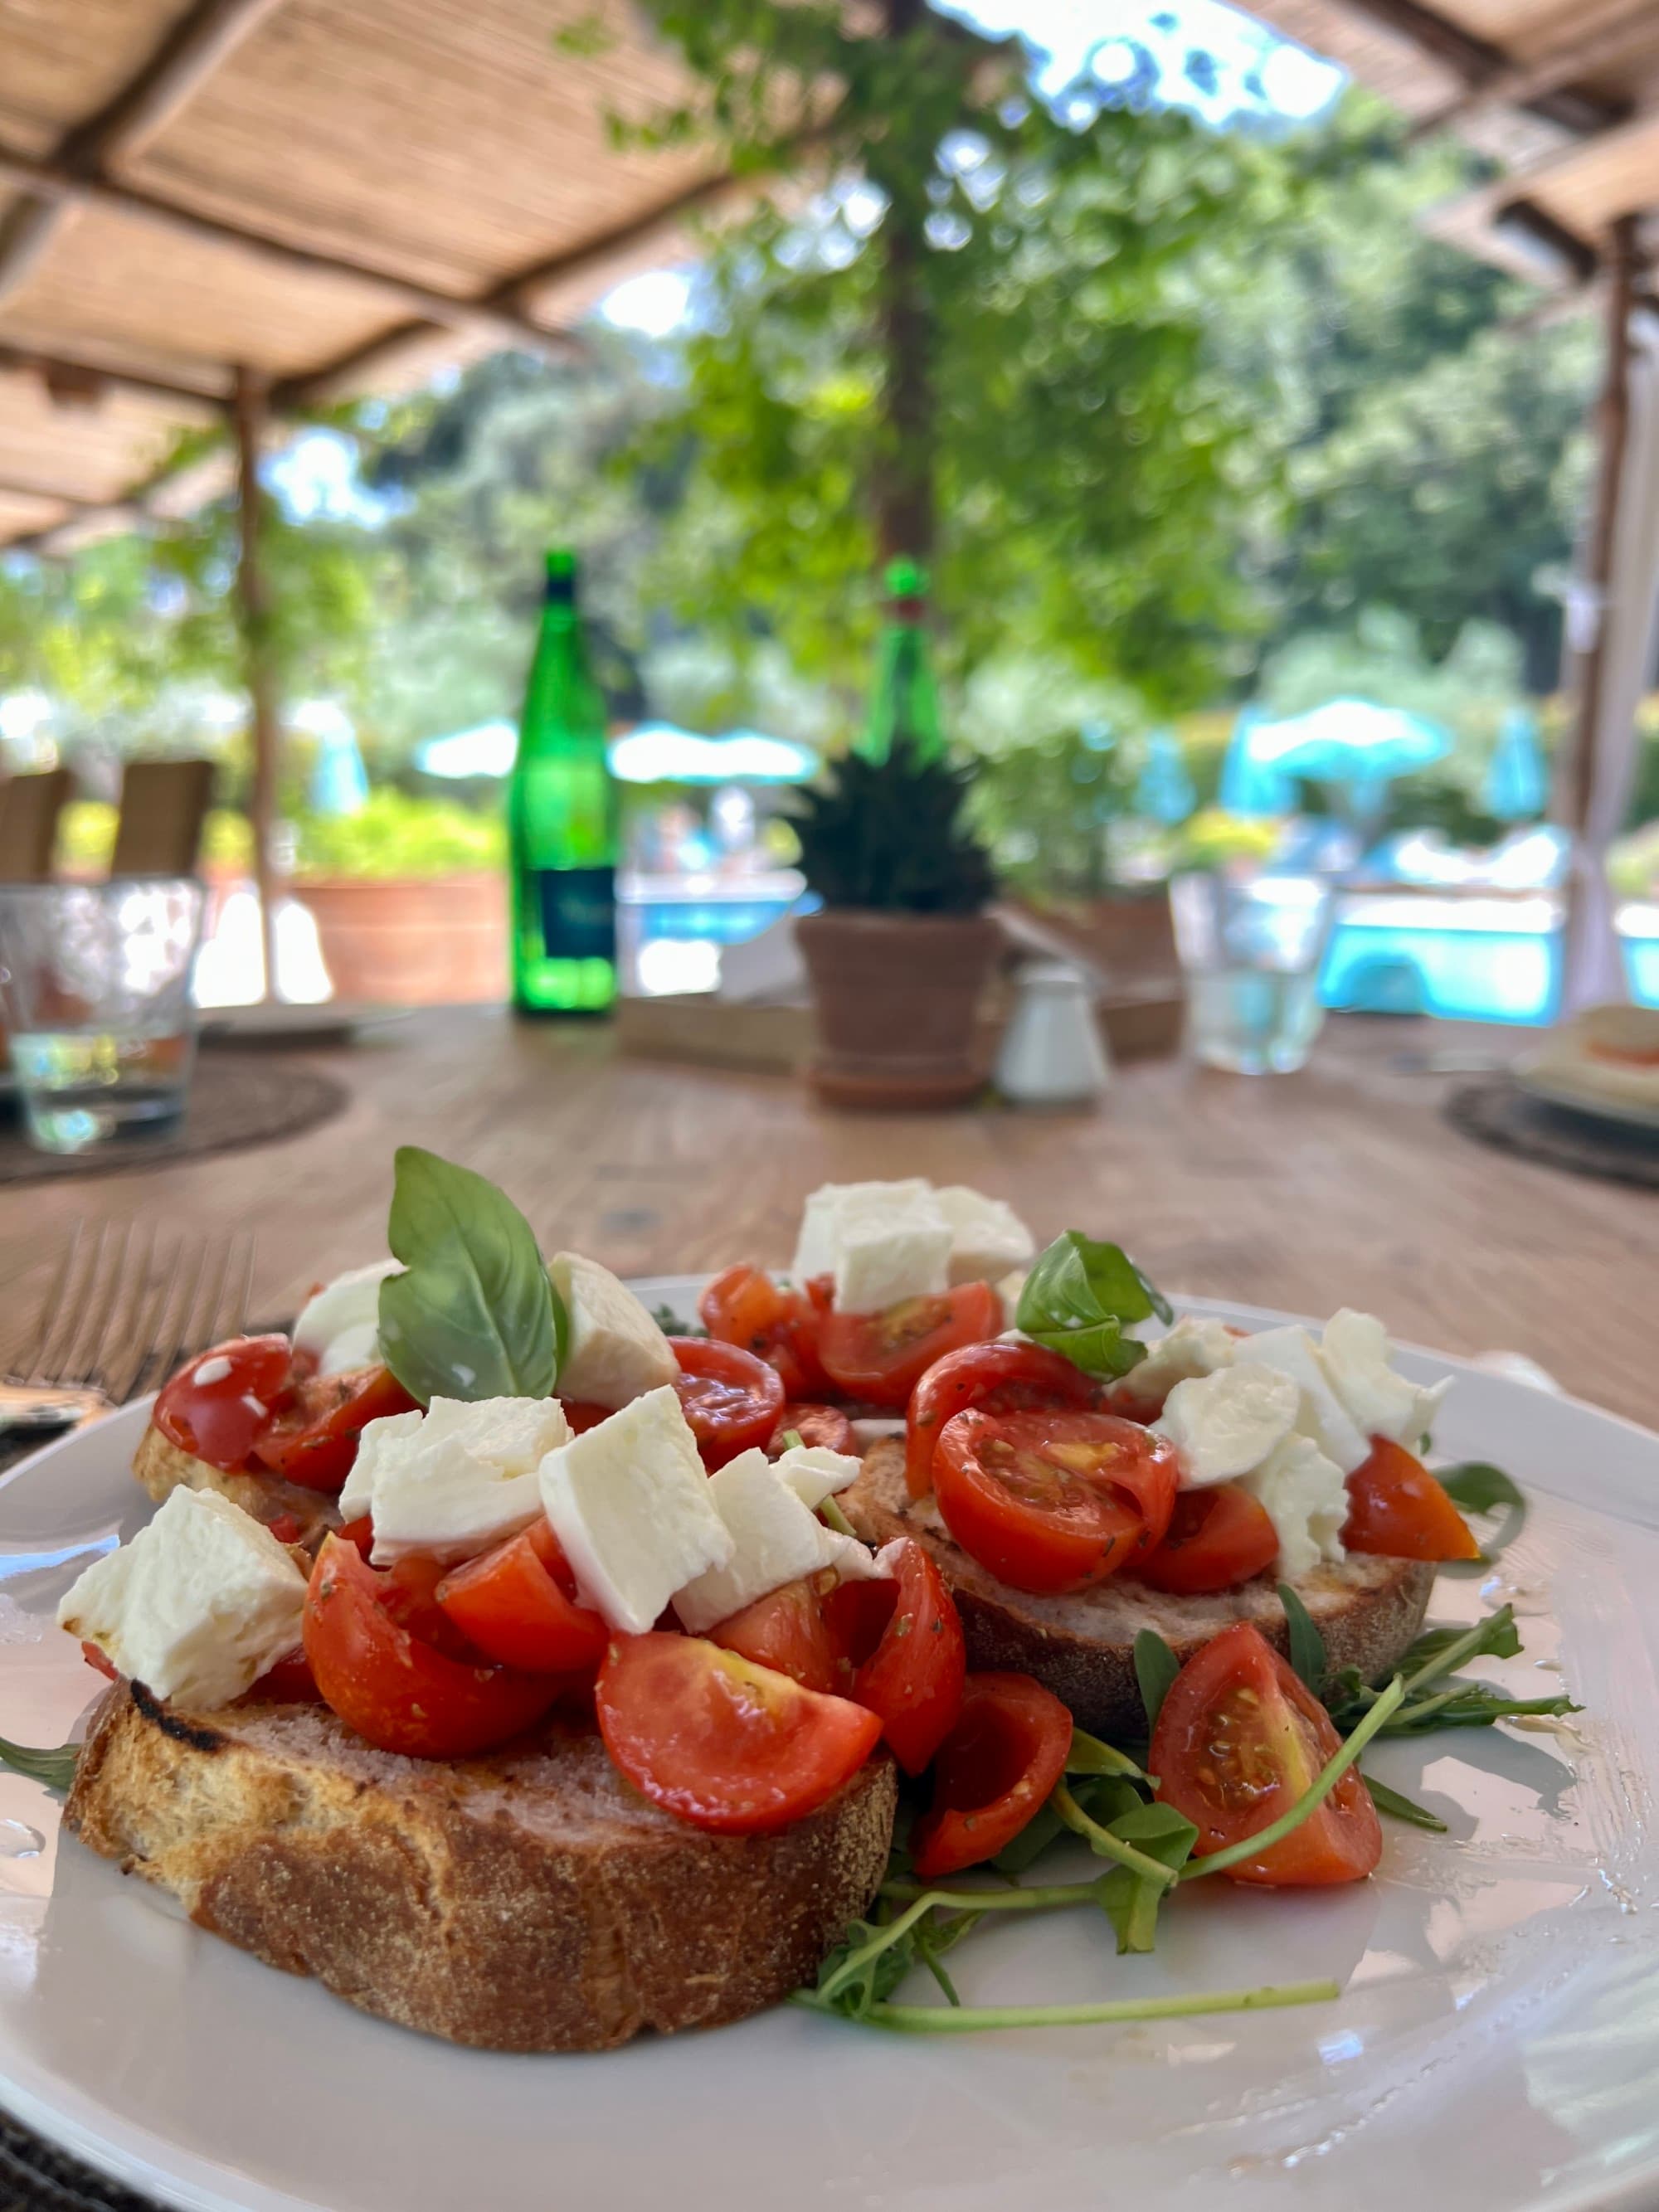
(125,1306)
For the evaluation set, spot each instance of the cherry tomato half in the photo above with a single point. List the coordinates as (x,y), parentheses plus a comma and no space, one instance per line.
(1237,1741)
(400,1692)
(582,1414)
(1052,1502)
(998,1378)
(825,1427)
(1216,1538)
(217,1406)
(314,1441)
(994,1770)
(1395,1506)
(725,1744)
(730,1400)
(290,1682)
(517,1604)
(881,1356)
(913,1679)
(787,1630)
(778,1323)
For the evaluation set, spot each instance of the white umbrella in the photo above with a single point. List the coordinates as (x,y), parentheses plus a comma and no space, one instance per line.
(654,752)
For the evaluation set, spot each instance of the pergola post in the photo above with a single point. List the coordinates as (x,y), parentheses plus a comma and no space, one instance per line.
(904,492)
(251,411)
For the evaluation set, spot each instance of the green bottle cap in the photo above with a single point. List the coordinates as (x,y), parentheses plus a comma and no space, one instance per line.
(906,579)
(561,576)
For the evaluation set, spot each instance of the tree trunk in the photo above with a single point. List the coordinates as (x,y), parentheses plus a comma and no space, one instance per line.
(905,510)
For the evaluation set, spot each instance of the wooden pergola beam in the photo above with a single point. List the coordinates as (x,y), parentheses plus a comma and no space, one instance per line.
(1479,63)
(1521,84)
(30,360)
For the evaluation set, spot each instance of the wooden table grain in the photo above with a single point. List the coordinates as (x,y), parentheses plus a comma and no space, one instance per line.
(1342,1185)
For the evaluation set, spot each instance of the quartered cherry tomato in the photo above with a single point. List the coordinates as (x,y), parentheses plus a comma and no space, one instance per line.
(361,1533)
(881,1356)
(517,1605)
(95,1658)
(1217,1538)
(789,1630)
(775,1320)
(730,1400)
(998,1378)
(314,1441)
(397,1691)
(825,1427)
(1395,1506)
(1052,1502)
(582,1414)
(993,1771)
(1238,1739)
(290,1682)
(725,1744)
(914,1677)
(217,1406)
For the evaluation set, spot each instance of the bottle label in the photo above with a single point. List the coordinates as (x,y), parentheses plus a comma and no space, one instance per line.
(579,913)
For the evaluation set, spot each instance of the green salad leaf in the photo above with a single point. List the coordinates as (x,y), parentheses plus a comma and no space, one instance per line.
(1308,1657)
(1156,1669)
(1398,1807)
(1130,1901)
(55,1768)
(1475,1485)
(473,1315)
(1079,1298)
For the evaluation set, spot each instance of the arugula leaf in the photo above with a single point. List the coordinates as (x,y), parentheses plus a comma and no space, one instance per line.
(1399,1806)
(1088,1755)
(1435,1658)
(473,1315)
(1308,1655)
(1079,1297)
(55,1768)
(1102,1796)
(1475,1485)
(1131,1902)
(1156,1669)
(862,1970)
(674,1324)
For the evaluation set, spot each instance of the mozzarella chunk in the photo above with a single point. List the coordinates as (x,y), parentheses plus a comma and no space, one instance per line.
(1224,1425)
(461,1481)
(1354,1352)
(339,1325)
(1324,1416)
(884,1258)
(776,1538)
(358,1496)
(1306,1498)
(633,1510)
(1193,1346)
(988,1237)
(817,1247)
(616,1351)
(196,1607)
(814,1472)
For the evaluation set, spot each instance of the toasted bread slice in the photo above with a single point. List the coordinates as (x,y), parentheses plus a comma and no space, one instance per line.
(532,1900)
(1082,1647)
(162,1467)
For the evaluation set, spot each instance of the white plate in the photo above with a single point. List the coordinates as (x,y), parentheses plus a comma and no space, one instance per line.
(1496,2047)
(1555,1082)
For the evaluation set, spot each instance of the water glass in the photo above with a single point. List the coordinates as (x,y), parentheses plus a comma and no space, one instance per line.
(94,990)
(1251,948)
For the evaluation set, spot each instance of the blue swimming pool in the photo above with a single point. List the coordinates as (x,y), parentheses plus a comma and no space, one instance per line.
(1468,958)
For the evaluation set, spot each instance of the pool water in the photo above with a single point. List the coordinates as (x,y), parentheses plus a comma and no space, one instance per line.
(1470,958)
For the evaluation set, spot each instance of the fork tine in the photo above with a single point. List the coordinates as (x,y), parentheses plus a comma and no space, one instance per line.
(188,1261)
(124,1357)
(103,1301)
(59,1309)
(242,1270)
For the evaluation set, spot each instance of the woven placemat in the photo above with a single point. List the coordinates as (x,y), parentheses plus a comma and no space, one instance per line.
(235,1099)
(1496,1111)
(37,2177)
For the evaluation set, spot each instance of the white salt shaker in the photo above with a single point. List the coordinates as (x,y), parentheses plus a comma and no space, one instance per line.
(1053,1053)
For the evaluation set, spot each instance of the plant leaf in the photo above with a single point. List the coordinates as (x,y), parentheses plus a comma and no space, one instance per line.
(55,1768)
(1399,1806)
(1079,1297)
(473,1315)
(1129,1900)
(1475,1485)
(1088,1755)
(1156,1669)
(1308,1655)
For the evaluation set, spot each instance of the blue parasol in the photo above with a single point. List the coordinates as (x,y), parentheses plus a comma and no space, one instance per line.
(1164,792)
(1249,786)
(1352,743)
(1517,786)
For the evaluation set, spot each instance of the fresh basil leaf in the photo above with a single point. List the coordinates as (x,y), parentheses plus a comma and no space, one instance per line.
(1308,1657)
(473,1315)
(1475,1485)
(1156,1669)
(55,1768)
(1130,1900)
(1078,1298)
(1398,1807)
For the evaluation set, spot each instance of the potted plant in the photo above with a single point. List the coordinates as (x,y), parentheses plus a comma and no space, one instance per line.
(902,952)
(409,899)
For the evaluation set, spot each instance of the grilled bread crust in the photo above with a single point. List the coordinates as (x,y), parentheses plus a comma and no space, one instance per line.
(161,1467)
(531,1900)
(1081,1646)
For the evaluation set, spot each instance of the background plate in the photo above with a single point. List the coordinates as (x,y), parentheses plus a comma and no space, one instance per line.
(1498,2029)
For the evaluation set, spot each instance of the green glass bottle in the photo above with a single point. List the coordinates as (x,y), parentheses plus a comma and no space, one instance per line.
(562,823)
(904,704)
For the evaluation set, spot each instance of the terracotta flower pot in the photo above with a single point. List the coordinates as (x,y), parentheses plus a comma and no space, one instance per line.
(412,942)
(897,996)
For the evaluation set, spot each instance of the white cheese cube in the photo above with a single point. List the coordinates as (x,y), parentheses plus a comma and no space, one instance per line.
(358,1496)
(814,1472)
(629,1503)
(818,1244)
(1192,1347)
(616,1351)
(882,1259)
(775,1539)
(1324,1416)
(988,1237)
(1224,1425)
(1306,1499)
(1353,1349)
(339,1325)
(196,1607)
(465,1480)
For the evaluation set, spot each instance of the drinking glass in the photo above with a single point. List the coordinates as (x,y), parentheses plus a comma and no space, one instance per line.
(1251,948)
(94,988)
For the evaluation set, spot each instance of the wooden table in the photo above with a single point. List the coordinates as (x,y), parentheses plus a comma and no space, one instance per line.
(1341,1185)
